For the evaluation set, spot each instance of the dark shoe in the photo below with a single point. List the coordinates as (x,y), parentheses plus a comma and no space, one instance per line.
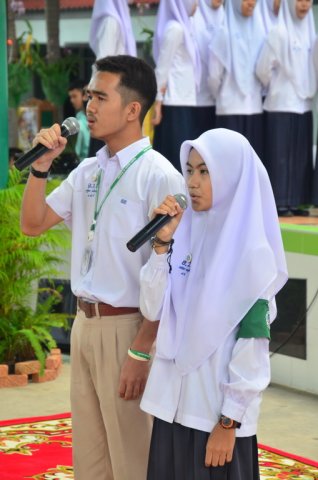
(299,212)
(284,212)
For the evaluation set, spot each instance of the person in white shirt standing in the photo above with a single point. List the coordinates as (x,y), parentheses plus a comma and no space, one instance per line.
(178,73)
(215,308)
(207,19)
(286,68)
(234,85)
(111,30)
(105,201)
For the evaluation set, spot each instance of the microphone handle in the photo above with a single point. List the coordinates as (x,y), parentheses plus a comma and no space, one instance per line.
(36,152)
(26,159)
(147,232)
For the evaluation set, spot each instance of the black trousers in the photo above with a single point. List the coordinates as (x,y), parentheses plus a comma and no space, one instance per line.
(178,453)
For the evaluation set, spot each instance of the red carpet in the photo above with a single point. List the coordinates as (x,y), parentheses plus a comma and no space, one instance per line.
(39,448)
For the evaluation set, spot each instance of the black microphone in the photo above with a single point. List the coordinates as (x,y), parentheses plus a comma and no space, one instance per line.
(70,126)
(154,226)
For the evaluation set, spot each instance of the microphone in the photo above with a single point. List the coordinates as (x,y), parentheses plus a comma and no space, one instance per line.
(70,126)
(154,226)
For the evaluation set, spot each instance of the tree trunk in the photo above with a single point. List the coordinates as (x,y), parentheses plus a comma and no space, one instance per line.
(13,53)
(52,17)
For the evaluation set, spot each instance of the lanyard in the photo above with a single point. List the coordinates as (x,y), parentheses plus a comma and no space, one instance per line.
(98,208)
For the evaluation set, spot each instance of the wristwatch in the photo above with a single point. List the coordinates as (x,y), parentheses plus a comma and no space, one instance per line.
(227,422)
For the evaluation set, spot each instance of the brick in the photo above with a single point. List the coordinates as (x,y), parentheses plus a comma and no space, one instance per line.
(4,369)
(46,377)
(53,362)
(55,351)
(13,381)
(28,367)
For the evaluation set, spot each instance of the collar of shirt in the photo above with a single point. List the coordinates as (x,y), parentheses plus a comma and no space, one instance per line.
(123,156)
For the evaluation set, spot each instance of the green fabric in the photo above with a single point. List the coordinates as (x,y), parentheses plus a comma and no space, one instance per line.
(255,324)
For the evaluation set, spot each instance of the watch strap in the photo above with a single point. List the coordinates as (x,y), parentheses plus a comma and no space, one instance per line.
(38,174)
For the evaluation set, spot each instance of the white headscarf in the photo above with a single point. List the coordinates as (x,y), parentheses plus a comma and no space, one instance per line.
(269,17)
(237,44)
(293,42)
(236,249)
(206,21)
(119,10)
(180,11)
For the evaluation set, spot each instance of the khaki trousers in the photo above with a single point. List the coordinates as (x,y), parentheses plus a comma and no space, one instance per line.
(111,436)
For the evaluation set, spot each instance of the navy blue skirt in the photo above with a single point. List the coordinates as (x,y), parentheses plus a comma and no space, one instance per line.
(178,453)
(179,124)
(289,156)
(251,126)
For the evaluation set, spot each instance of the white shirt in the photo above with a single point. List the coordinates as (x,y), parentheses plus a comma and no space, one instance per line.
(110,39)
(229,382)
(281,93)
(114,275)
(174,70)
(229,99)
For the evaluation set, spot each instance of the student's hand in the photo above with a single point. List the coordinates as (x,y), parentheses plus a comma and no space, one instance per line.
(133,377)
(171,207)
(157,113)
(52,139)
(220,445)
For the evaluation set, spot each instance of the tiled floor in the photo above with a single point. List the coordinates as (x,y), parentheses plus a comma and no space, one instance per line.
(288,421)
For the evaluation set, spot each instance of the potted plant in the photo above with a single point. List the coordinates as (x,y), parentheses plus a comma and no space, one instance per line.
(25,331)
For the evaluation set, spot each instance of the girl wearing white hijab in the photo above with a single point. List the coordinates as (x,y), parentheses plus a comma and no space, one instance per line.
(178,68)
(207,19)
(269,13)
(111,30)
(234,85)
(285,67)
(215,308)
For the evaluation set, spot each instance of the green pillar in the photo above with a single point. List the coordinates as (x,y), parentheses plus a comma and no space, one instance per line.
(3,97)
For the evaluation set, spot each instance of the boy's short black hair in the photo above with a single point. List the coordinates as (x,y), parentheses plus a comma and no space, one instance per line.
(77,85)
(137,79)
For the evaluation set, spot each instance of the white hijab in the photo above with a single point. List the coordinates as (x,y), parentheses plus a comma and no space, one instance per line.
(119,10)
(236,249)
(237,44)
(180,11)
(293,42)
(207,20)
(269,17)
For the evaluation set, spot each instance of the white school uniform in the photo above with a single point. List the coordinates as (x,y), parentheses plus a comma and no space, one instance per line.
(124,213)
(200,370)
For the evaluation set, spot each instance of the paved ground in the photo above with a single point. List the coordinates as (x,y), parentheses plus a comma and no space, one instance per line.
(289,419)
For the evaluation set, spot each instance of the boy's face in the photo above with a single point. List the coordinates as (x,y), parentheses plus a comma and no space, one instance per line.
(76,98)
(199,182)
(106,112)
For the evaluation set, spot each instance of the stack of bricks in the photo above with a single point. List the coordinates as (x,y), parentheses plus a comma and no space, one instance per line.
(30,371)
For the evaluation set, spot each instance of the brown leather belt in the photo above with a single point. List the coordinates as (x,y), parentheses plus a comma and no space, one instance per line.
(91,309)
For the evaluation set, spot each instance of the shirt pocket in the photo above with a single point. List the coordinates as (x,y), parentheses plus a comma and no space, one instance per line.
(124,218)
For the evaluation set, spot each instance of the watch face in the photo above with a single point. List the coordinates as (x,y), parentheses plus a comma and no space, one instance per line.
(227,422)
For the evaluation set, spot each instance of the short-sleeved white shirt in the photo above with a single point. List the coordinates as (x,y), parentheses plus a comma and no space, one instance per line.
(114,275)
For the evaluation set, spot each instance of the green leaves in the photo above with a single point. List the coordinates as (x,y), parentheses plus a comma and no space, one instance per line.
(25,331)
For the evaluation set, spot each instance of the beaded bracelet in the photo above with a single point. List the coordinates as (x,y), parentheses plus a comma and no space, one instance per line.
(141,356)
(160,243)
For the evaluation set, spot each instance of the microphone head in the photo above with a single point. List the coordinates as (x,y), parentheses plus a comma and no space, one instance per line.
(72,125)
(182,200)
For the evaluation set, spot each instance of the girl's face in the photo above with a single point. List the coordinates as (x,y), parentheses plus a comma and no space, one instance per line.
(247,7)
(199,182)
(215,4)
(302,8)
(276,6)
